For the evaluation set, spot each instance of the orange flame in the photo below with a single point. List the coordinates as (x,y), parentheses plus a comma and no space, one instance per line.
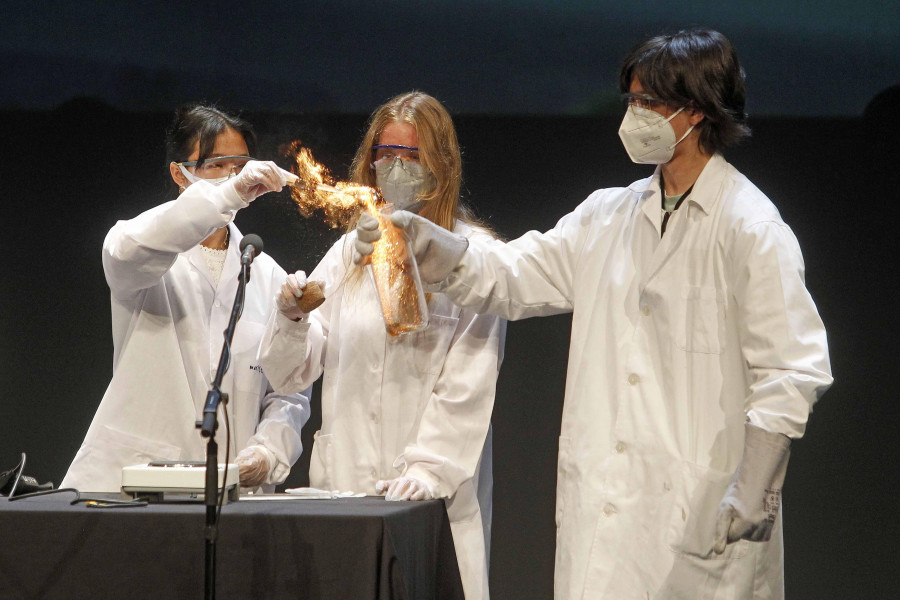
(401,301)
(317,190)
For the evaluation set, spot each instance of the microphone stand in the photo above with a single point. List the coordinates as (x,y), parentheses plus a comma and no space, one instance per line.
(208,428)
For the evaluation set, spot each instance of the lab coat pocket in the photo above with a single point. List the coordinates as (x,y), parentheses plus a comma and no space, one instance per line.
(248,383)
(695,493)
(431,345)
(249,380)
(699,318)
(244,348)
(321,461)
(563,473)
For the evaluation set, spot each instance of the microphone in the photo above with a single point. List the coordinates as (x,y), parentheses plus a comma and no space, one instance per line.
(251,246)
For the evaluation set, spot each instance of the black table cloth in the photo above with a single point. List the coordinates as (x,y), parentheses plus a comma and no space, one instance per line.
(351,548)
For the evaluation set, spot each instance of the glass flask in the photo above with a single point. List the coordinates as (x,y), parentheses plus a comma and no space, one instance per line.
(396,276)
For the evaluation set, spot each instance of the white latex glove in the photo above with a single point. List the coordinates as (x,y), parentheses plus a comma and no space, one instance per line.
(253,466)
(367,233)
(286,300)
(751,502)
(404,488)
(256,178)
(437,250)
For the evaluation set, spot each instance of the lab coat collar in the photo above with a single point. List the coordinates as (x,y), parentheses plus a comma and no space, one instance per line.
(232,259)
(706,189)
(648,190)
(704,194)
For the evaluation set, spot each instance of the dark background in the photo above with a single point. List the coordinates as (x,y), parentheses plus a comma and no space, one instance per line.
(478,56)
(87,94)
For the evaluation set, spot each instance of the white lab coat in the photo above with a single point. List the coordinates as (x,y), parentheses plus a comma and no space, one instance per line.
(675,343)
(417,405)
(168,319)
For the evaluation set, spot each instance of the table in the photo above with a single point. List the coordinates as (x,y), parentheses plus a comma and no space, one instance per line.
(349,548)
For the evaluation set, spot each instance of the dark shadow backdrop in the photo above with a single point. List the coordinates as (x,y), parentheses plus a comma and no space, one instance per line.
(70,173)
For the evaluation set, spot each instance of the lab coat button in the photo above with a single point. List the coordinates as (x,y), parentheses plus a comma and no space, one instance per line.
(218,304)
(633,379)
(645,310)
(609,510)
(374,418)
(620,447)
(374,474)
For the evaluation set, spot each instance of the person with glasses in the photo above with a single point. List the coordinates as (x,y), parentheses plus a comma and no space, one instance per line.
(696,350)
(173,275)
(409,416)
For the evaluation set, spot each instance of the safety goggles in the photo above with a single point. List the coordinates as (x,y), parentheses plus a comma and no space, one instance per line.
(388,152)
(217,167)
(645,101)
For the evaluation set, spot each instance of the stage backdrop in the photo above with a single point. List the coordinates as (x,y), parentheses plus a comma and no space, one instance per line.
(70,173)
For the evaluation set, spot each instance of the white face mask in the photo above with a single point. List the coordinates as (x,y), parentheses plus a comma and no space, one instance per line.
(648,136)
(194,179)
(401,181)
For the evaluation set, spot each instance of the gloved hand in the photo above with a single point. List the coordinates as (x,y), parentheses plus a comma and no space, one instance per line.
(257,178)
(437,250)
(404,488)
(253,465)
(751,502)
(367,233)
(286,300)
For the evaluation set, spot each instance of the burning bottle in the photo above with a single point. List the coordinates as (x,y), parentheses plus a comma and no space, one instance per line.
(396,276)
(392,267)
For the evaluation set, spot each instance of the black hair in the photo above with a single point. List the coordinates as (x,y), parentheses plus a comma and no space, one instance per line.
(699,69)
(201,124)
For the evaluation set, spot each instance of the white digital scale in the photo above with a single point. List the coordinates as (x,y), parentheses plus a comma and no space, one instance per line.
(184,479)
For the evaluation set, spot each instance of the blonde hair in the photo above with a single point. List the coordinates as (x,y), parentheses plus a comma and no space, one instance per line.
(438,152)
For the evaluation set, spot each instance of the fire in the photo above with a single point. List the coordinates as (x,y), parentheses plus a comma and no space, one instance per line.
(396,276)
(393,268)
(317,190)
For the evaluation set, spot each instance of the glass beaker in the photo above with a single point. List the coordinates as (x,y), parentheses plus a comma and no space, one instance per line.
(396,276)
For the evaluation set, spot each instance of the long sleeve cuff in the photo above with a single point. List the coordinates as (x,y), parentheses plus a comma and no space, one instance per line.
(291,328)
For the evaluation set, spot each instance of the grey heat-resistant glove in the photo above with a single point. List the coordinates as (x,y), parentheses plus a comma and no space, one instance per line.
(437,250)
(751,502)
(367,233)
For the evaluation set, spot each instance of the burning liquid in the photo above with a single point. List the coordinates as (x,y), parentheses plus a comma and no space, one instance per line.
(393,267)
(396,277)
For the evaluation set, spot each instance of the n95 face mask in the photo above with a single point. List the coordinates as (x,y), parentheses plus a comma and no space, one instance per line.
(648,136)
(401,181)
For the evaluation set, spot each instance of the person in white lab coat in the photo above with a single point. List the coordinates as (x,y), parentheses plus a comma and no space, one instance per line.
(696,351)
(405,416)
(173,275)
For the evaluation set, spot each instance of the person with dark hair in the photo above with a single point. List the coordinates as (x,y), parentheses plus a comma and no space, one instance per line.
(696,352)
(408,417)
(173,274)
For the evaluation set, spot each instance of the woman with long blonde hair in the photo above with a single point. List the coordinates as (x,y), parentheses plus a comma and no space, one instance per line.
(408,416)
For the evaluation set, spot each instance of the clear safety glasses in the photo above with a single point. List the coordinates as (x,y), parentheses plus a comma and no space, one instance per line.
(217,167)
(644,101)
(385,153)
